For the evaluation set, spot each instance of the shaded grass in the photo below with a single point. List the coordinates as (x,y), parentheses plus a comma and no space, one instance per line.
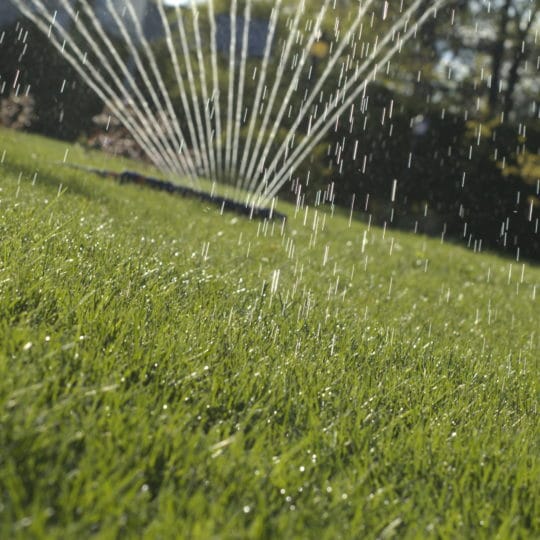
(166,371)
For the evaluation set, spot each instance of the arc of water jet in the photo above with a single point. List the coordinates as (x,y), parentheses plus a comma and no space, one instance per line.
(323,124)
(367,62)
(281,70)
(332,105)
(84,61)
(230,98)
(204,89)
(241,84)
(260,85)
(180,82)
(162,140)
(292,86)
(144,120)
(215,83)
(184,157)
(115,105)
(194,96)
(144,74)
(314,92)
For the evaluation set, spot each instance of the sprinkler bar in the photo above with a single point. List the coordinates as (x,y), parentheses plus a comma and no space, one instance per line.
(224,203)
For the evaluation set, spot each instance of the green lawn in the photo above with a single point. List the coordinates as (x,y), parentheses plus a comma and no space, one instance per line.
(170,372)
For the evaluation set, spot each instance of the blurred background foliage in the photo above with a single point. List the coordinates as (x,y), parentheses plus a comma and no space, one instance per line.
(452,129)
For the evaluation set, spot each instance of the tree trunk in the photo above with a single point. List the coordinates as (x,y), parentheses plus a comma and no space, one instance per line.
(498,56)
(520,53)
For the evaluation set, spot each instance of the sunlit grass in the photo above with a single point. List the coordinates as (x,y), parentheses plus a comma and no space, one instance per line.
(171,372)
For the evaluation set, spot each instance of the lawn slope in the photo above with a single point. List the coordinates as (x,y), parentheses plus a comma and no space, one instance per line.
(167,371)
